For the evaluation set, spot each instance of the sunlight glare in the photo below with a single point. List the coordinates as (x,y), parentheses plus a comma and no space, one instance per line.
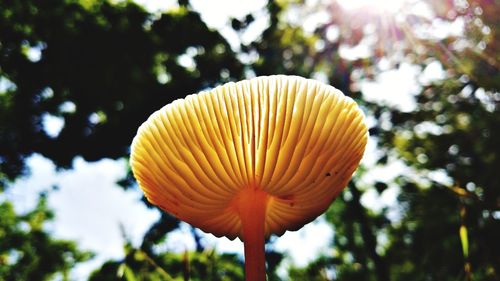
(382,6)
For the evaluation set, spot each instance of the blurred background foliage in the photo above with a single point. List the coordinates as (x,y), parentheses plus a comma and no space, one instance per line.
(103,67)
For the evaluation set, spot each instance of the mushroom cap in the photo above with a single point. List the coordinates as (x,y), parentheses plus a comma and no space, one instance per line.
(296,139)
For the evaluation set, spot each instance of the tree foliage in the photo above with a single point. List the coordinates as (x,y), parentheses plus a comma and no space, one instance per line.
(200,265)
(27,250)
(448,203)
(103,68)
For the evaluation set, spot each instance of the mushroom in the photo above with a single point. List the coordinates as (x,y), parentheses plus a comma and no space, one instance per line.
(251,158)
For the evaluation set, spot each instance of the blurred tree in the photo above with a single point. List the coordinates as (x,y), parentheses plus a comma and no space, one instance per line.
(27,251)
(102,68)
(452,132)
(204,265)
(448,204)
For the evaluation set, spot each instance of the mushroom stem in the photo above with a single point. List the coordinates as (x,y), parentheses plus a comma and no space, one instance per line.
(252,210)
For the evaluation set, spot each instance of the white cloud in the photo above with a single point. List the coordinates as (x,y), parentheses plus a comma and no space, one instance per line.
(217,12)
(157,5)
(306,244)
(88,205)
(52,125)
(395,88)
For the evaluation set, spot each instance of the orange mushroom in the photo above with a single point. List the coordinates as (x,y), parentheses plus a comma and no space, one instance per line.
(250,159)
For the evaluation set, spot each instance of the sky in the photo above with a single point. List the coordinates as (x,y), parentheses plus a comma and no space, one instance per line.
(90,207)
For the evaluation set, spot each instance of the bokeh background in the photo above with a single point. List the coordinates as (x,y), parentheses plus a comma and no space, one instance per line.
(77,78)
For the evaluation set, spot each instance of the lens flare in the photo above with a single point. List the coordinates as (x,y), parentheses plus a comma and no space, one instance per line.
(381,6)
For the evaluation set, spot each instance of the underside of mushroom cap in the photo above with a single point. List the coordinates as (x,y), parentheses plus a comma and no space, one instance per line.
(295,139)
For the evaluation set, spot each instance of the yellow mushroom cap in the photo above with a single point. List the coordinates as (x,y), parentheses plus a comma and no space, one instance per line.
(296,139)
